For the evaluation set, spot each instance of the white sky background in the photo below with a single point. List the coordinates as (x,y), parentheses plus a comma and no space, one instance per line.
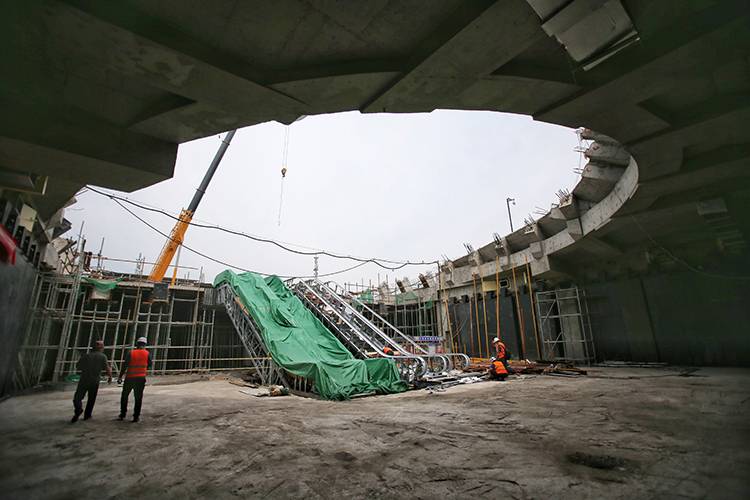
(393,186)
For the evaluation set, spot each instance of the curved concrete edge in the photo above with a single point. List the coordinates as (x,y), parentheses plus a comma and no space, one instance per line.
(537,254)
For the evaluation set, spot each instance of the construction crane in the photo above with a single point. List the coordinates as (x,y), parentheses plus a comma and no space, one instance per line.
(178,231)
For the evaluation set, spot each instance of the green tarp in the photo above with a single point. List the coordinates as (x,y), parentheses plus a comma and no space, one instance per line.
(366,296)
(103,286)
(302,345)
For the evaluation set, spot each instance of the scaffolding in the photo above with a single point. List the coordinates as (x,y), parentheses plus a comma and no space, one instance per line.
(186,331)
(565,326)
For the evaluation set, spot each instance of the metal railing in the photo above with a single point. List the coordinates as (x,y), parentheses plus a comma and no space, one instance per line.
(267,370)
(363,336)
(349,331)
(394,333)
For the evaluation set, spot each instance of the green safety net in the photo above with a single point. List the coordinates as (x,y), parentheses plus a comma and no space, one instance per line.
(411,298)
(405,297)
(102,285)
(303,346)
(366,296)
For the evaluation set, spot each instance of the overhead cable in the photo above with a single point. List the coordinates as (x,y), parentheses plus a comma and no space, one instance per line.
(239,268)
(376,261)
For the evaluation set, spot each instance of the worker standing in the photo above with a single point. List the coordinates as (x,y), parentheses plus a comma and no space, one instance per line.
(91,366)
(136,363)
(501,353)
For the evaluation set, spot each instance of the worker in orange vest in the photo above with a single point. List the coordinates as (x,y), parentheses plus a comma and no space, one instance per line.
(390,352)
(497,369)
(501,353)
(134,368)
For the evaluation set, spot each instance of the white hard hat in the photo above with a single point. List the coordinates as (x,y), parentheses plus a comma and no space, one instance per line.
(142,340)
(495,340)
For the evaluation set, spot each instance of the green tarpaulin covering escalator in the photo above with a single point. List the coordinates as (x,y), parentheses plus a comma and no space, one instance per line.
(302,345)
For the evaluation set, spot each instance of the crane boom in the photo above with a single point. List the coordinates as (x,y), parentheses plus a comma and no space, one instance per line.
(177,235)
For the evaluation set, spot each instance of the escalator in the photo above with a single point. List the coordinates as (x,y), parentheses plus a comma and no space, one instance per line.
(369,335)
(287,344)
(458,361)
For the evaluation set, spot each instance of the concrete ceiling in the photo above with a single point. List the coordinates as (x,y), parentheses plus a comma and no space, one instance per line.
(103,92)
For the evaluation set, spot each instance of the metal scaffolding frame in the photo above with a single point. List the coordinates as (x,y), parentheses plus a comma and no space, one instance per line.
(407,311)
(65,318)
(564,322)
(265,368)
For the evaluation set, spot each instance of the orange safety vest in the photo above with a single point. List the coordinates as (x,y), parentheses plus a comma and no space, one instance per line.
(499,368)
(138,364)
(500,350)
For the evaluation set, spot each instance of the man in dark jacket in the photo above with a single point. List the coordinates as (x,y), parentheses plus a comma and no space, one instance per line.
(91,366)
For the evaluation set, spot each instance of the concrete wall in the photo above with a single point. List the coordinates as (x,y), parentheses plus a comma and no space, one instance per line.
(682,318)
(465,321)
(16,284)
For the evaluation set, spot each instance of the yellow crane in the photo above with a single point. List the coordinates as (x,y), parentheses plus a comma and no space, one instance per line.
(178,231)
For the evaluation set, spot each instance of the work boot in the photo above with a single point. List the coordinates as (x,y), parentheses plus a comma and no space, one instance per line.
(75,418)
(120,417)
(86,417)
(136,419)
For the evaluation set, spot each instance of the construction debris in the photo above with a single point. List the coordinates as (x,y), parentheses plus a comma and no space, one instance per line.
(241,383)
(524,366)
(563,369)
(270,391)
(470,380)
(527,367)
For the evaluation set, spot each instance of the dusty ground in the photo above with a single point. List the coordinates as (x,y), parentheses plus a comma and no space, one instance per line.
(656,435)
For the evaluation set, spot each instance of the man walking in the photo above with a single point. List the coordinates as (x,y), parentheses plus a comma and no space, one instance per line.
(91,366)
(137,361)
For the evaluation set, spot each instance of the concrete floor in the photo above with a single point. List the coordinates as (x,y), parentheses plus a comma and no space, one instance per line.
(656,434)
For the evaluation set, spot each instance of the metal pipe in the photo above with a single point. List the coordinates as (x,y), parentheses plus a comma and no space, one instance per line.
(533,311)
(476,309)
(497,295)
(520,315)
(508,201)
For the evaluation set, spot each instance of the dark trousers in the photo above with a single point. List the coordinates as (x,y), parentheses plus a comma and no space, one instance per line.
(84,388)
(507,366)
(136,385)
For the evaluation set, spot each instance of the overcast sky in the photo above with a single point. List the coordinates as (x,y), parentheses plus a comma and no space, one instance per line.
(391,186)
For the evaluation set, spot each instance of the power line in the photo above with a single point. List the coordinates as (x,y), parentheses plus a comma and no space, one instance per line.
(239,268)
(174,214)
(376,261)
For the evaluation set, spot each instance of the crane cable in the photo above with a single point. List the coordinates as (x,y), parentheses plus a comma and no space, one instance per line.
(284,158)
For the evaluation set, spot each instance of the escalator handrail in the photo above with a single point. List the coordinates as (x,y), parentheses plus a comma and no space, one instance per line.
(424,354)
(347,294)
(422,363)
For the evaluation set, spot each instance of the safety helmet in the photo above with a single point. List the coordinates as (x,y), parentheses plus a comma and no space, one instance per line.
(495,340)
(142,340)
